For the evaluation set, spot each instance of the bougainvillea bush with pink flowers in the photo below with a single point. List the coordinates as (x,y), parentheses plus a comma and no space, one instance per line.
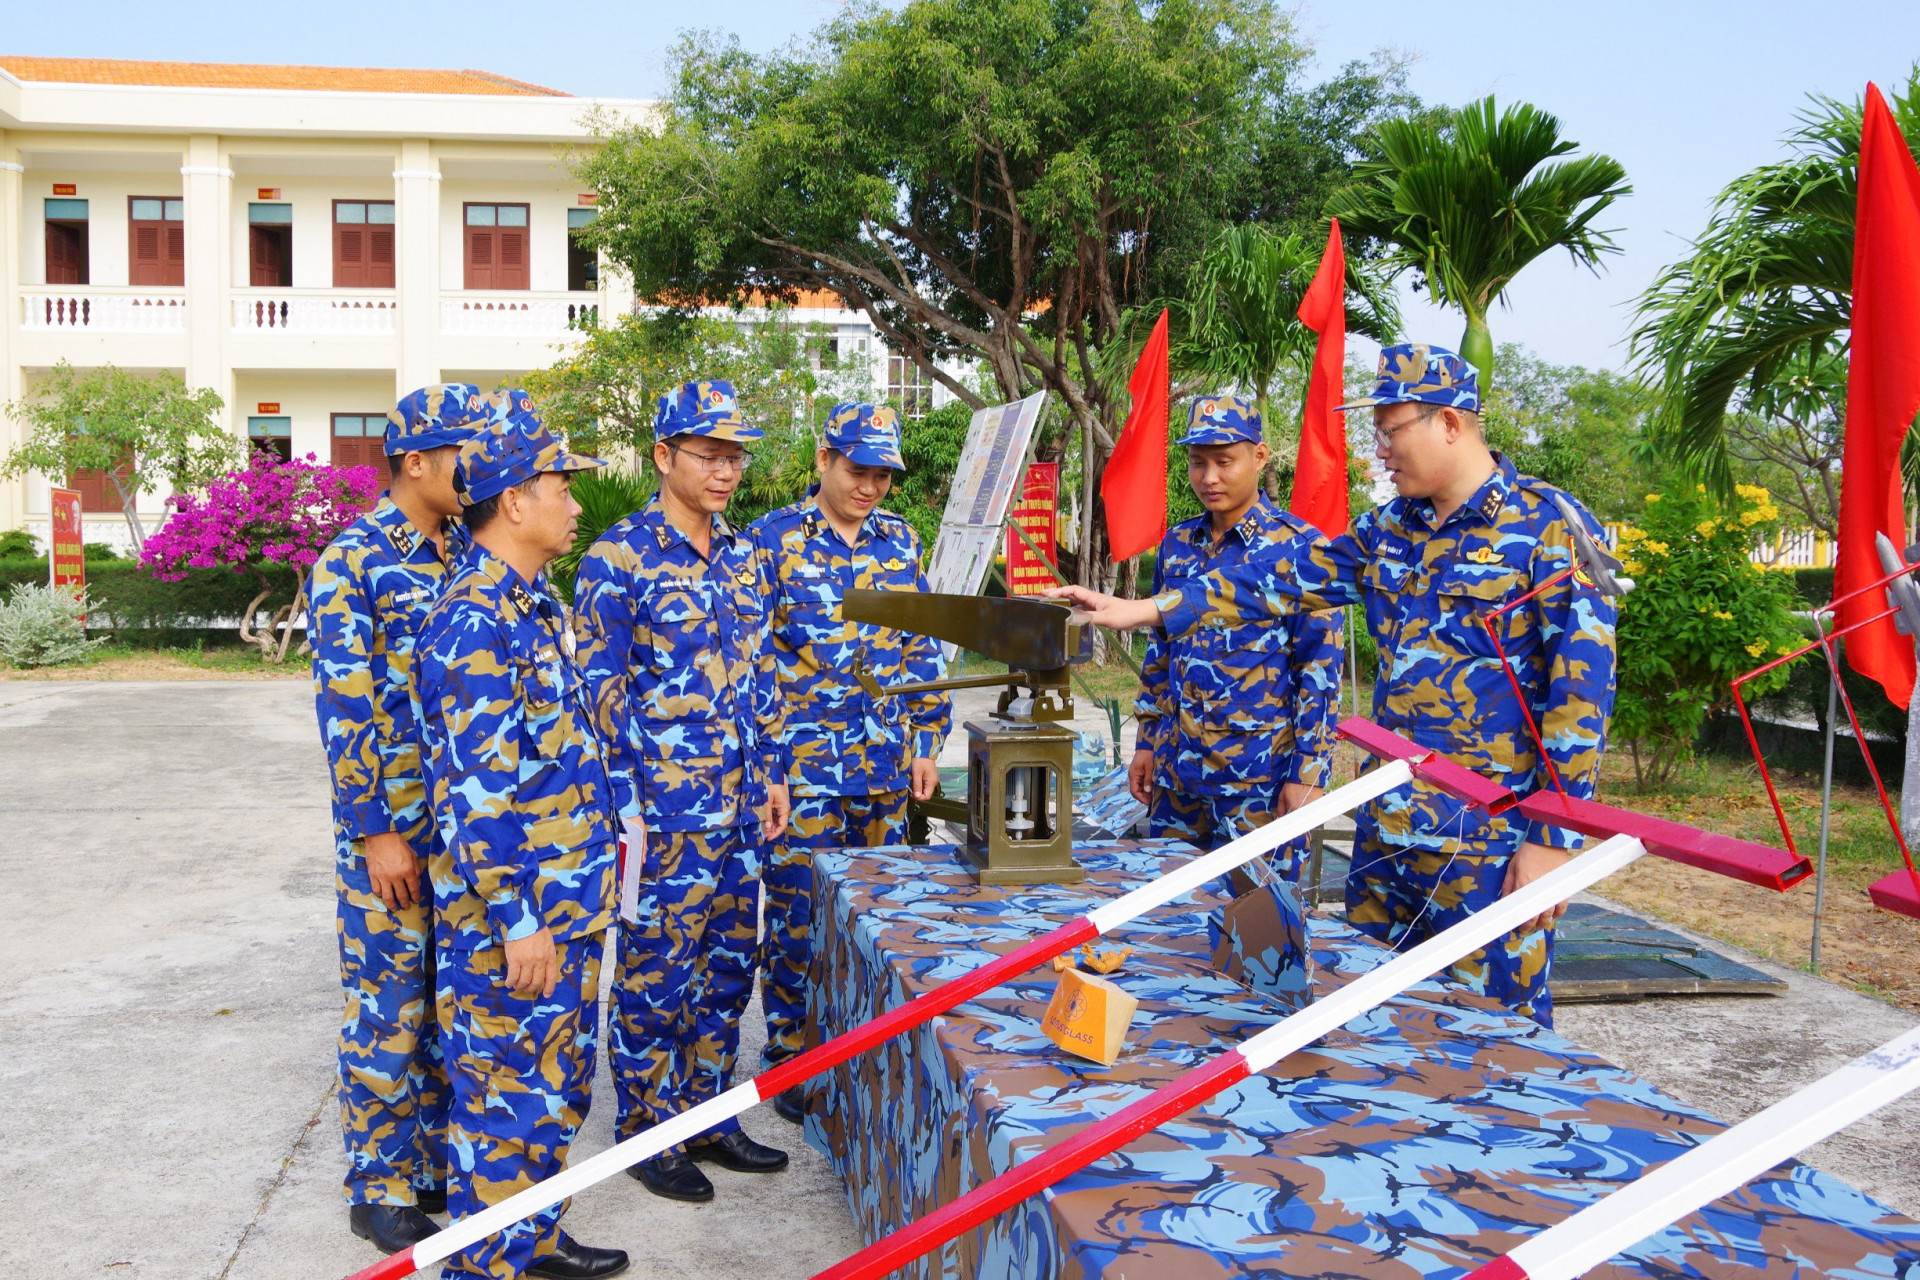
(271,519)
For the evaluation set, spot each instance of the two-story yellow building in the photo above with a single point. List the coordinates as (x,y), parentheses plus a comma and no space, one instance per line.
(307,241)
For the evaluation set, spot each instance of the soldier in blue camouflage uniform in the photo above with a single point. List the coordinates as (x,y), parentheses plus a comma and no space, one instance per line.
(673,617)
(851,759)
(367,595)
(523,861)
(1235,723)
(1466,535)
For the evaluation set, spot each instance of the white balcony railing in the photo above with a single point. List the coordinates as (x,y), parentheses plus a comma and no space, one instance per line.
(87,310)
(308,313)
(519,315)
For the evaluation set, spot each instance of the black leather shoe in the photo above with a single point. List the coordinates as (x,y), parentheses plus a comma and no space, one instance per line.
(431,1199)
(391,1227)
(571,1260)
(673,1177)
(740,1153)
(791,1105)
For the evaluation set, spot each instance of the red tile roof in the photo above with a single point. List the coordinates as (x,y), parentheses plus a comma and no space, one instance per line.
(236,75)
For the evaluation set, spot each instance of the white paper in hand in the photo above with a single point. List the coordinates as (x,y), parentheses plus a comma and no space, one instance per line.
(633,866)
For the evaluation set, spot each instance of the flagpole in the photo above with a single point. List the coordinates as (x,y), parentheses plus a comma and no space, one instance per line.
(1826,819)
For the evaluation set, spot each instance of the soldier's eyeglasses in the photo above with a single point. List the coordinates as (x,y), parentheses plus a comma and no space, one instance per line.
(714,463)
(1384,439)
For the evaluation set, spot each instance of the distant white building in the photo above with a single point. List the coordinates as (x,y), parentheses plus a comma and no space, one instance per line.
(310,242)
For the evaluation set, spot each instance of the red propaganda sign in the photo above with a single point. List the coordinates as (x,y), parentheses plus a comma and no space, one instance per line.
(1035,512)
(66,558)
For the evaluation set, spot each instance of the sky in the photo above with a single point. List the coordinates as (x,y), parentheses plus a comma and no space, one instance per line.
(1686,94)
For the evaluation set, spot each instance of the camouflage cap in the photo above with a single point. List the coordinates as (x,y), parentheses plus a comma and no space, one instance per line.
(868,434)
(705,408)
(1222,420)
(448,413)
(513,448)
(1415,371)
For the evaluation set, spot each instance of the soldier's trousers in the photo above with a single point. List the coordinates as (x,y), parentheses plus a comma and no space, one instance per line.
(1207,822)
(393,1083)
(1404,894)
(685,975)
(521,1070)
(819,822)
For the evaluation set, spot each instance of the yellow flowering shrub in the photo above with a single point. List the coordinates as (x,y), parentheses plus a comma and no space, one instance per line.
(1701,614)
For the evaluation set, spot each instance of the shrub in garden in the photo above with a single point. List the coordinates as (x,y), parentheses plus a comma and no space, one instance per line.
(271,520)
(1702,614)
(40,626)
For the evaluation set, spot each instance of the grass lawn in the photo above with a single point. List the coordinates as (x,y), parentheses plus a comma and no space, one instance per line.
(112,661)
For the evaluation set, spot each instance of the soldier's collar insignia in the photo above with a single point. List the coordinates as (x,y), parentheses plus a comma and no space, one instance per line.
(404,538)
(523,599)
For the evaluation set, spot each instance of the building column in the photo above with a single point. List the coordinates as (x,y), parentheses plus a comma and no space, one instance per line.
(416,198)
(13,216)
(207,186)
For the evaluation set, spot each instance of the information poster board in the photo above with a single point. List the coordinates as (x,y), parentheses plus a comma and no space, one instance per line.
(992,462)
(1037,514)
(66,554)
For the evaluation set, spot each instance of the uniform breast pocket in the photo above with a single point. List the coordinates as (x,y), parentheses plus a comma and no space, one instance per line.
(1467,601)
(749,622)
(543,693)
(811,614)
(679,629)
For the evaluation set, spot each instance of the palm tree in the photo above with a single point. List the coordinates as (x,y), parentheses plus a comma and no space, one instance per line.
(1237,327)
(1467,199)
(1767,292)
(1238,323)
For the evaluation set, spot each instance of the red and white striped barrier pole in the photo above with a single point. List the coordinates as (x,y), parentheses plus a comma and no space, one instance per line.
(1715,1167)
(1290,1034)
(1101,920)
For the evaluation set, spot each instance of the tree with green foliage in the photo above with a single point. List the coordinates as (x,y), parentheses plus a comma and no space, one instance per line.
(1702,614)
(602,394)
(1748,320)
(1467,199)
(1238,327)
(142,430)
(986,179)
(1585,430)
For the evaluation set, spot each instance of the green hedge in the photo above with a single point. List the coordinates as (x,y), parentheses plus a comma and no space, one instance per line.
(127,600)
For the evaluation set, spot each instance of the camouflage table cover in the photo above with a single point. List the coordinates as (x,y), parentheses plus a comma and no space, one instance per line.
(1418,1141)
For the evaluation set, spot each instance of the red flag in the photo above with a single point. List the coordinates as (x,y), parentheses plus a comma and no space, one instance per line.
(1320,473)
(1883,390)
(1134,485)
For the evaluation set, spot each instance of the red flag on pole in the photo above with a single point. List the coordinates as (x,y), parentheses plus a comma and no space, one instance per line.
(1134,485)
(1320,474)
(1883,390)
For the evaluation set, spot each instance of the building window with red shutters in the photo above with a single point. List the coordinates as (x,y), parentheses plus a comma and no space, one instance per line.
(67,242)
(363,244)
(270,245)
(495,246)
(157,241)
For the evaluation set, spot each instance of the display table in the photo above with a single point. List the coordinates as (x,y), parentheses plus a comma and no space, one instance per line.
(1418,1141)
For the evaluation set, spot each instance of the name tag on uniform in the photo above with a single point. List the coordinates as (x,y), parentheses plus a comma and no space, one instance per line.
(633,866)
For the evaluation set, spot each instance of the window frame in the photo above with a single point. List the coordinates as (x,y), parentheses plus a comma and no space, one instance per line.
(373,274)
(168,232)
(492,228)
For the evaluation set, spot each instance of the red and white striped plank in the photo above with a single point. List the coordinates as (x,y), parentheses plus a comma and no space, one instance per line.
(1716,1167)
(1289,1035)
(1745,860)
(691,1123)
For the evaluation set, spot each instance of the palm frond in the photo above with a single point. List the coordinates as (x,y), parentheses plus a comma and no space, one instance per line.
(1766,287)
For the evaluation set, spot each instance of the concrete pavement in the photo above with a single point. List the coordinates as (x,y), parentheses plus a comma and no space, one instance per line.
(168,994)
